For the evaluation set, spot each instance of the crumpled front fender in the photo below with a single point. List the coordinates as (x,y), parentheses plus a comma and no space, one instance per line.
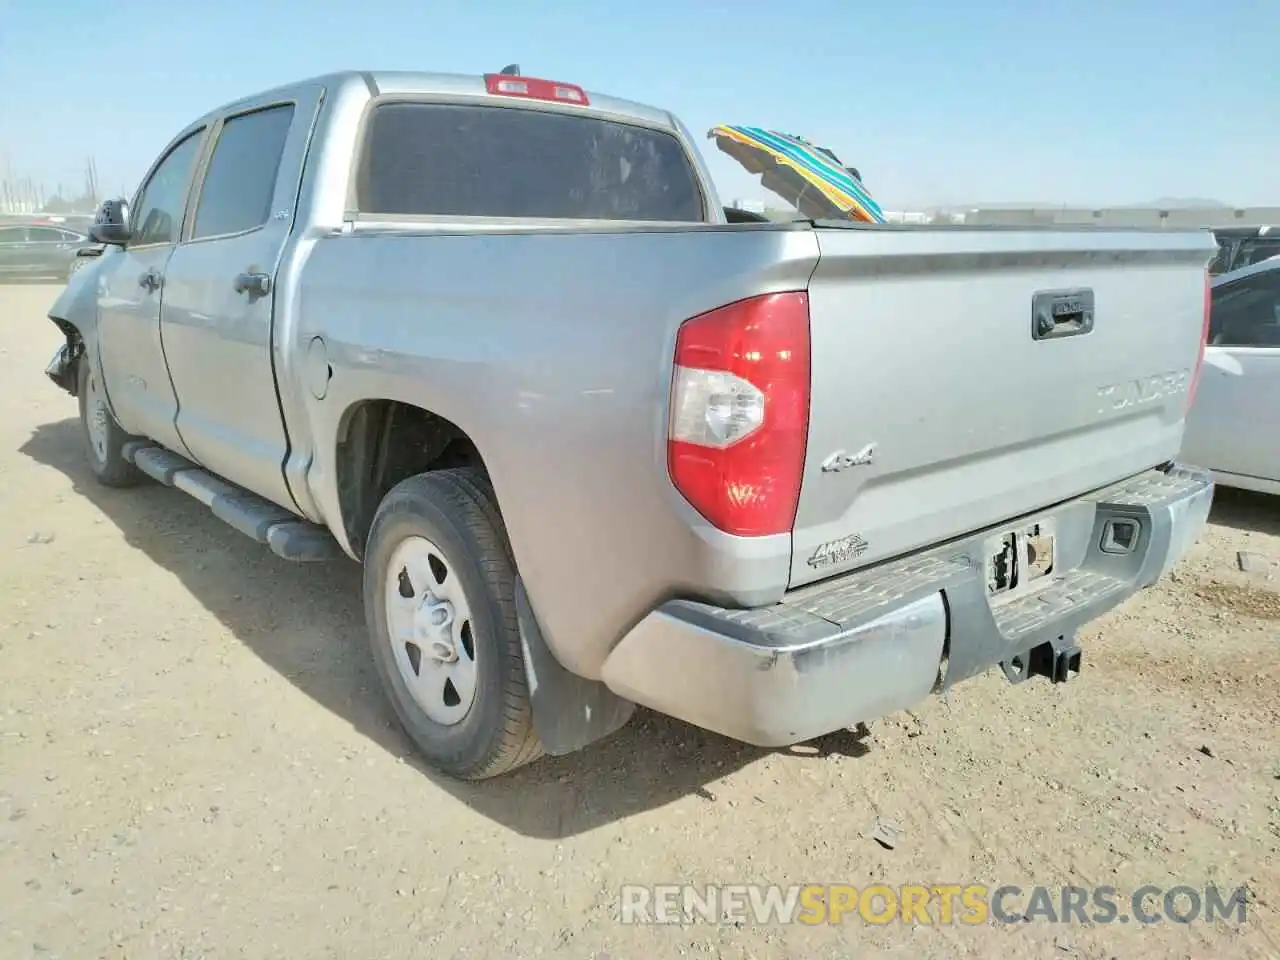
(77,305)
(75,313)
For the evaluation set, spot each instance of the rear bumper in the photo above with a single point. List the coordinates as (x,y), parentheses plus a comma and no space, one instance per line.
(871,642)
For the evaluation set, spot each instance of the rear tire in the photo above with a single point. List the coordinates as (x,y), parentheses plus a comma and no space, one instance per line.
(104,440)
(439,597)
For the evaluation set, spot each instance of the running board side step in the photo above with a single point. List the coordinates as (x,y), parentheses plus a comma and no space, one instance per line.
(287,535)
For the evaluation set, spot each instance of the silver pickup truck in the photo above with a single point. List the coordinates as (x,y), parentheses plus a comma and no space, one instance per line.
(597,443)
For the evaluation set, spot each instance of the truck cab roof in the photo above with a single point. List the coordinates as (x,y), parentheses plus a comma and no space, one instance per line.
(407,83)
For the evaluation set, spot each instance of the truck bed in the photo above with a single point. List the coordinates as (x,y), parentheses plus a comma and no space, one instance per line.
(921,345)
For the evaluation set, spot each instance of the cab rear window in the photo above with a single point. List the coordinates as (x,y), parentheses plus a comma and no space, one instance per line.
(510,162)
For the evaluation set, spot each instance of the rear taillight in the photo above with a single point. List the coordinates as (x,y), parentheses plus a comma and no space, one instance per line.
(740,413)
(1204,339)
(531,88)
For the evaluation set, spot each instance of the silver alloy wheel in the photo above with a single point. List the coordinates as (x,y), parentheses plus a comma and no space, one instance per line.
(95,411)
(429,622)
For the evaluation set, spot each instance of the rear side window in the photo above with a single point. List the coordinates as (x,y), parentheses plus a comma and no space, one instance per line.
(241,180)
(1246,312)
(474,161)
(1255,251)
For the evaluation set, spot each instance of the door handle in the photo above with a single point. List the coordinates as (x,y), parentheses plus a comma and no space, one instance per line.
(150,281)
(254,284)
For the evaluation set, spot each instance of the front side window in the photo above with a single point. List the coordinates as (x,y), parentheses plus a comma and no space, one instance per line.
(241,180)
(1246,312)
(158,213)
(13,234)
(424,159)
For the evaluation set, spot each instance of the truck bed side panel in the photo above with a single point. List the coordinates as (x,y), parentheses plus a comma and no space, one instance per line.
(553,351)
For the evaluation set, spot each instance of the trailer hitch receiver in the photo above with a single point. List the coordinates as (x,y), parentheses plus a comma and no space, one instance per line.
(1058,659)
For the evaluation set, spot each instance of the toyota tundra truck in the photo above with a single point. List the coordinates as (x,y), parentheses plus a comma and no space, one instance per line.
(598,443)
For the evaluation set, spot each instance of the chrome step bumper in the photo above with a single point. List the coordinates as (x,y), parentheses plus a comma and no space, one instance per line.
(878,640)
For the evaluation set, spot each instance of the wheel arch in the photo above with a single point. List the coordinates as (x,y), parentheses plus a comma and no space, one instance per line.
(381,441)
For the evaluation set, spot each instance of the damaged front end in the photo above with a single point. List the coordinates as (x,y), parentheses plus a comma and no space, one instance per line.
(62,368)
(75,313)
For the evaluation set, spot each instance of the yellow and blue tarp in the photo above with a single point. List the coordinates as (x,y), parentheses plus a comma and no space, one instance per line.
(809,177)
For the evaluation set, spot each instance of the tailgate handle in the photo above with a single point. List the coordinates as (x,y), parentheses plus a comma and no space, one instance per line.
(1061,313)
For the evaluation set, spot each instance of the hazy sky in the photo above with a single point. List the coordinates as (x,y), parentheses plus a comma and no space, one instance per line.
(1091,101)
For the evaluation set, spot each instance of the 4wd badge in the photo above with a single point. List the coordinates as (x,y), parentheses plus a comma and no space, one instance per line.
(838,551)
(843,460)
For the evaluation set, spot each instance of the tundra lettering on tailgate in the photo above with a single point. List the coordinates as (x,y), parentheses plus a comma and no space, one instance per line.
(1133,393)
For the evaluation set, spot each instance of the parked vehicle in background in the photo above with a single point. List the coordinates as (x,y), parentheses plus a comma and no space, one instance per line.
(1234,424)
(1240,247)
(494,338)
(42,250)
(87,255)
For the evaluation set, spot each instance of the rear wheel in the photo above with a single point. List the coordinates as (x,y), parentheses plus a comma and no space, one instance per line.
(104,440)
(439,595)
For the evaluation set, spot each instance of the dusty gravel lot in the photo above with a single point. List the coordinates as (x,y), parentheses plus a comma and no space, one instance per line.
(195,761)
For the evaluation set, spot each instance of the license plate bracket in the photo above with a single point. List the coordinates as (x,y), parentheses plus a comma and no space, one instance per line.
(1020,558)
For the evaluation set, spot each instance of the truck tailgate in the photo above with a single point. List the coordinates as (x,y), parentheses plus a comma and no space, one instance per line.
(966,376)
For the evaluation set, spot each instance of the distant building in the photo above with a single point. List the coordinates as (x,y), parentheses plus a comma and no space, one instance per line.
(1177,218)
(906,216)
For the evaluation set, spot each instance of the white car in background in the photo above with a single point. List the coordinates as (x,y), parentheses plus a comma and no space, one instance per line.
(1234,424)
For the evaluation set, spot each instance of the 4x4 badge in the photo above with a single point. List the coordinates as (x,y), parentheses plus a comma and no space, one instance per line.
(840,460)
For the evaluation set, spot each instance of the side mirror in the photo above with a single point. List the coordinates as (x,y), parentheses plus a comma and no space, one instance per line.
(111,224)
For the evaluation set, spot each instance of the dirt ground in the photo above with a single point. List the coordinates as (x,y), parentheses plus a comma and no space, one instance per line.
(196,761)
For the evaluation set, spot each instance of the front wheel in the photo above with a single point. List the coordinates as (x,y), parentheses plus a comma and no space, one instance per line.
(439,596)
(104,439)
